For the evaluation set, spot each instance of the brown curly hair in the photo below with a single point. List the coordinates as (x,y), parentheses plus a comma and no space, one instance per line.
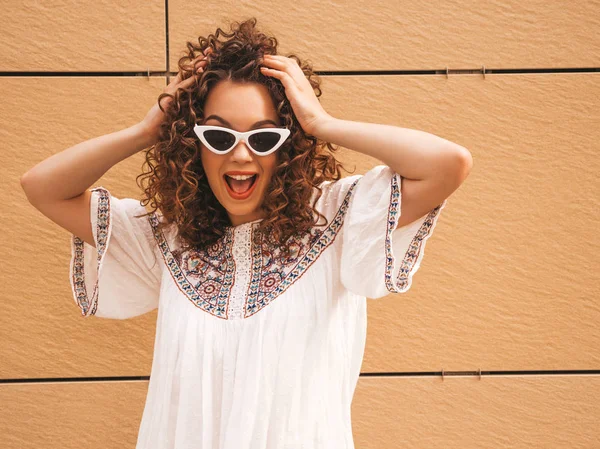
(178,177)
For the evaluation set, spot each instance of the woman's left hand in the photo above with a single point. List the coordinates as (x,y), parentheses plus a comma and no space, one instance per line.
(298,90)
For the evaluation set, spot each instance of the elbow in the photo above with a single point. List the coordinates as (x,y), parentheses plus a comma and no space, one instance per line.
(22,179)
(463,162)
(26,181)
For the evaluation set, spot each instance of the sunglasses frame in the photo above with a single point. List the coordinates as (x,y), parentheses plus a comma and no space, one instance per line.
(243,136)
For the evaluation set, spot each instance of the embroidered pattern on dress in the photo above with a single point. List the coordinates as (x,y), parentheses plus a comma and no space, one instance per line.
(213,271)
(272,274)
(402,282)
(205,276)
(87,304)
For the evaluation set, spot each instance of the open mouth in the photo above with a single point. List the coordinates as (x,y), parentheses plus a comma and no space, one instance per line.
(240,189)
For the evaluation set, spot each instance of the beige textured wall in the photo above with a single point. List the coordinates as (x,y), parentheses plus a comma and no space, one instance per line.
(510,282)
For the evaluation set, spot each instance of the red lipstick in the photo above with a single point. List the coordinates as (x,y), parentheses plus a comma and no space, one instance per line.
(240,196)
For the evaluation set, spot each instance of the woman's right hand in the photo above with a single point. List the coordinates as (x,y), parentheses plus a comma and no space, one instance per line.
(151,123)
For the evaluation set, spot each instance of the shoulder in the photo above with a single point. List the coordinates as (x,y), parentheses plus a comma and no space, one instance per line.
(336,194)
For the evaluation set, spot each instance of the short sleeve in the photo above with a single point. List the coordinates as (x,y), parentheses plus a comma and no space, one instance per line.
(377,257)
(120,277)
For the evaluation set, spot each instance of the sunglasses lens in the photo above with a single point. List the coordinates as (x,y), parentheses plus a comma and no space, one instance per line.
(220,140)
(264,141)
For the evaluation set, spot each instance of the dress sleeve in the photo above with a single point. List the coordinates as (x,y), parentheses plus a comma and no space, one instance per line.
(120,277)
(377,257)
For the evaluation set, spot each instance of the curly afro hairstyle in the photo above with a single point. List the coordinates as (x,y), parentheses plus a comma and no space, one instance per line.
(177,183)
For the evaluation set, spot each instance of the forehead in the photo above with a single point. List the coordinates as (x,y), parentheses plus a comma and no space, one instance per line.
(240,104)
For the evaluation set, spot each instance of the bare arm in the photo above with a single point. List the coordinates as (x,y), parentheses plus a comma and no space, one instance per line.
(58,186)
(69,173)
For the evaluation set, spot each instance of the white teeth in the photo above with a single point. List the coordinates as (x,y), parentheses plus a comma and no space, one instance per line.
(240,177)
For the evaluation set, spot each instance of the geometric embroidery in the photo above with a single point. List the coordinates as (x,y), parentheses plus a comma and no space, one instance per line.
(272,274)
(88,305)
(416,245)
(206,276)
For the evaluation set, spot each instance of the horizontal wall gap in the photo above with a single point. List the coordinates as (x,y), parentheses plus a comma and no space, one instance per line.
(444,71)
(402,374)
(73,379)
(520,373)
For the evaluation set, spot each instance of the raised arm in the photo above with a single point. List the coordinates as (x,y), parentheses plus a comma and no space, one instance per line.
(58,186)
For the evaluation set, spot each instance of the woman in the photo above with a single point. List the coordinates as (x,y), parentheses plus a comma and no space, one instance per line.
(258,255)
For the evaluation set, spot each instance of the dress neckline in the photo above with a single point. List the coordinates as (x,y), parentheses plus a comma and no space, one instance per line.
(244,225)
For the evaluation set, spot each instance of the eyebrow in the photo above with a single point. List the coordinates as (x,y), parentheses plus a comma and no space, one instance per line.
(225,122)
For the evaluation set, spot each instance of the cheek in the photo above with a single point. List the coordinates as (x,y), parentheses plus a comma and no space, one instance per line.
(270,165)
(268,172)
(211,168)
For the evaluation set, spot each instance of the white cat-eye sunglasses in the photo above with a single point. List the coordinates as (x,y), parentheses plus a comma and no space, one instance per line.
(221,140)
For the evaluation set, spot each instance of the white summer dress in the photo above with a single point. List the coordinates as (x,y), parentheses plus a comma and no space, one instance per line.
(253,351)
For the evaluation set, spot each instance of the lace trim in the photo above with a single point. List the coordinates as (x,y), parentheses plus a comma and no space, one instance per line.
(242,242)
(410,262)
(236,279)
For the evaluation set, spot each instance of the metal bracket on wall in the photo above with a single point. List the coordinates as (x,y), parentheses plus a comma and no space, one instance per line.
(447,71)
(461,373)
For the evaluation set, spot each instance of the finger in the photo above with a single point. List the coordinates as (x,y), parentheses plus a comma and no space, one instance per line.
(206,53)
(199,64)
(202,56)
(175,80)
(201,61)
(279,74)
(176,83)
(187,82)
(282,64)
(280,59)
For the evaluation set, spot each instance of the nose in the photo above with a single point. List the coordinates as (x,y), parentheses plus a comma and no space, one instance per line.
(241,152)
